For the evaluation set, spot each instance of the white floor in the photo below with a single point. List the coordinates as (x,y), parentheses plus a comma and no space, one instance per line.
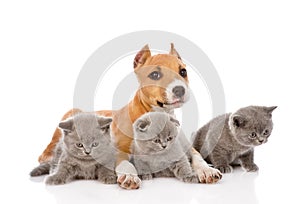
(267,186)
(234,188)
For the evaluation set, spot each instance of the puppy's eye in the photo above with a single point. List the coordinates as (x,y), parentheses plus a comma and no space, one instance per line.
(183,72)
(266,132)
(80,145)
(95,144)
(253,135)
(169,139)
(156,140)
(155,75)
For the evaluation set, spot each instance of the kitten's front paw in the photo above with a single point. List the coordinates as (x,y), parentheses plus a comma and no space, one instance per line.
(146,177)
(225,169)
(108,179)
(250,167)
(128,181)
(191,179)
(54,180)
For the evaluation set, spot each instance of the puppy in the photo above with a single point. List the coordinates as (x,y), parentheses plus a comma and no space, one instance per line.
(163,86)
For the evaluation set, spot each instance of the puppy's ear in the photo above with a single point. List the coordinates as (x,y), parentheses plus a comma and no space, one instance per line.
(67,125)
(174,52)
(175,121)
(238,121)
(141,56)
(143,124)
(104,122)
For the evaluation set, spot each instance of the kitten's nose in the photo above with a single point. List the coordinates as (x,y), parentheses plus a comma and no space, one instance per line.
(261,140)
(164,146)
(87,151)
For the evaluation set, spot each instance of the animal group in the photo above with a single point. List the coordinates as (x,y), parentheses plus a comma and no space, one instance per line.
(143,140)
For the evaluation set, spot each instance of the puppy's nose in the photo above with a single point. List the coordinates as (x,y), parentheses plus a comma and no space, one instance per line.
(178,91)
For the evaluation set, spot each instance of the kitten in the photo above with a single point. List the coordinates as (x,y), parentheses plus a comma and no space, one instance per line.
(84,152)
(160,150)
(230,139)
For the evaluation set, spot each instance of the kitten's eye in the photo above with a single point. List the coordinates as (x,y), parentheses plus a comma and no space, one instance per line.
(183,72)
(266,132)
(155,75)
(169,139)
(253,135)
(95,144)
(156,140)
(80,145)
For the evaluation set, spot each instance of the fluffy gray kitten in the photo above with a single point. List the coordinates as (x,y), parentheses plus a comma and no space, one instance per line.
(84,152)
(160,150)
(230,139)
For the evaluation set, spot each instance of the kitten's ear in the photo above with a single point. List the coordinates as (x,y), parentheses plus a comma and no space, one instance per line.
(141,56)
(104,122)
(143,124)
(238,121)
(174,52)
(175,121)
(270,109)
(67,125)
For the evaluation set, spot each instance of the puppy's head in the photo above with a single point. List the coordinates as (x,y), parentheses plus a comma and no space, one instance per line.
(163,78)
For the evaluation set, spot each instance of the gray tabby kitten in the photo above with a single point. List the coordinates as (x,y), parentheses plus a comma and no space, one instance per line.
(159,150)
(230,139)
(84,152)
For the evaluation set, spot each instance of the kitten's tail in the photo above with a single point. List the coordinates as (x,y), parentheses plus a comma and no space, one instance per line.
(43,168)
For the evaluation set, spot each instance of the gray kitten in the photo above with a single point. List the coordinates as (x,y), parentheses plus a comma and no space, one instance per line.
(160,150)
(84,152)
(230,139)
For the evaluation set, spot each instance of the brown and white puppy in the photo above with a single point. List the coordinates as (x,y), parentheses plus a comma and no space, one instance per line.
(163,85)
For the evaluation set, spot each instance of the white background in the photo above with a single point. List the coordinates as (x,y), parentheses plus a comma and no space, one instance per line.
(254,45)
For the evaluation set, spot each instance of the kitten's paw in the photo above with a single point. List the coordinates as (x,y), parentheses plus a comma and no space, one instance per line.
(250,167)
(146,177)
(54,180)
(40,170)
(36,172)
(108,179)
(208,174)
(128,181)
(225,169)
(191,179)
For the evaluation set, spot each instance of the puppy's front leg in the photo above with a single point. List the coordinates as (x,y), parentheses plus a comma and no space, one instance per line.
(127,174)
(206,174)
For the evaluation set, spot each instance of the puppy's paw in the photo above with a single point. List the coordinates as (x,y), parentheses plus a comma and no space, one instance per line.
(225,169)
(128,181)
(208,174)
(55,180)
(45,157)
(250,167)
